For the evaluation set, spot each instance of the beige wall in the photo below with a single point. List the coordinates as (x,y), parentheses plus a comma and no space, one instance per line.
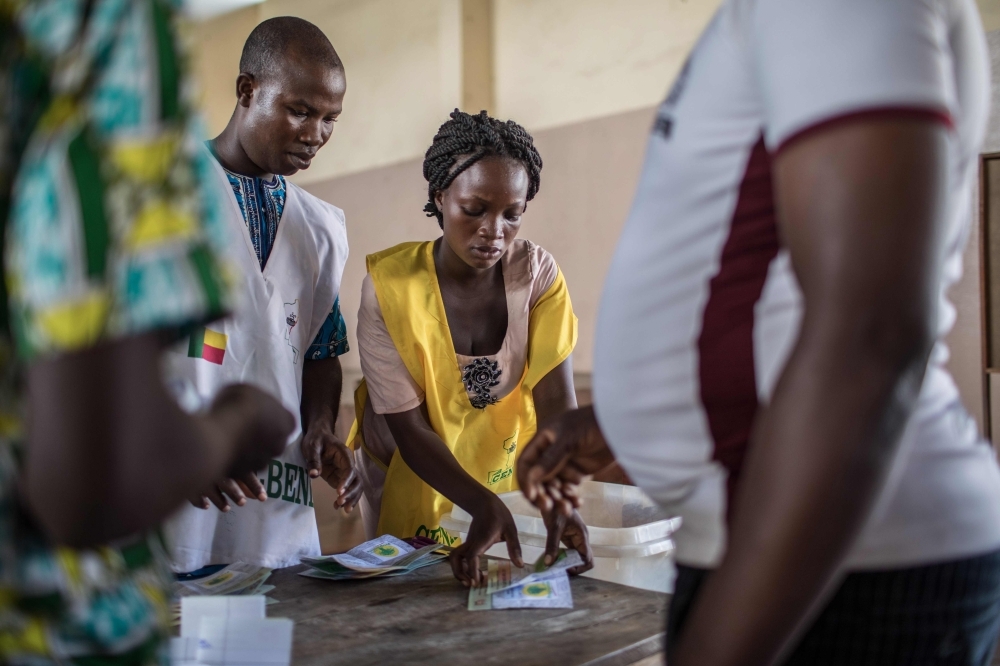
(563,61)
(218,45)
(405,62)
(990,11)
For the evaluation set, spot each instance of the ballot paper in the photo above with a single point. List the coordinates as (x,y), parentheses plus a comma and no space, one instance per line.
(380,557)
(550,590)
(503,577)
(237,578)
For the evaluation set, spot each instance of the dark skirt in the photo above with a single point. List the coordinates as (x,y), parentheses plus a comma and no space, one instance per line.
(940,614)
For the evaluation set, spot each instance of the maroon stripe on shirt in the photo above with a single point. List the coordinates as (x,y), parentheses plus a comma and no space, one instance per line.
(725,345)
(877,113)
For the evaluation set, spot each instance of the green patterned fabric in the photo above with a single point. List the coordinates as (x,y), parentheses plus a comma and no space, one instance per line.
(110,228)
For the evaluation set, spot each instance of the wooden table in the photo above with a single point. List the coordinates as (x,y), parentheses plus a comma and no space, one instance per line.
(421,618)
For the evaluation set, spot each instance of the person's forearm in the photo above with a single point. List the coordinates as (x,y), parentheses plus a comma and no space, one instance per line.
(424,453)
(555,393)
(322,385)
(109,453)
(819,457)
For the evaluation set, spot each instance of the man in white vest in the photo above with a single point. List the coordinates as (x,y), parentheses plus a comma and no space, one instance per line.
(290,248)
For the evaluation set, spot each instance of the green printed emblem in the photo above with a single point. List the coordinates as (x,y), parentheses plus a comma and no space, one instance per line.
(496,476)
(537,590)
(439,534)
(386,550)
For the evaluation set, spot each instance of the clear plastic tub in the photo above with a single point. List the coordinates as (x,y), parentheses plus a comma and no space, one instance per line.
(629,534)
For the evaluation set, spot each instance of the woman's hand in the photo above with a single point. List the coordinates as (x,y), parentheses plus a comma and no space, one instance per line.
(567,449)
(571,532)
(493,523)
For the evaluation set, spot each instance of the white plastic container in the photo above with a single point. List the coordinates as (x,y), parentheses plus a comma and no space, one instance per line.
(629,534)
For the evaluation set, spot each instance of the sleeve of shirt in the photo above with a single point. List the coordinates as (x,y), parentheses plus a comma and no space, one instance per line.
(824,60)
(116,224)
(544,272)
(332,337)
(390,386)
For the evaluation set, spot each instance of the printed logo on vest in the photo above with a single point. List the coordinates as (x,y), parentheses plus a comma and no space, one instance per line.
(288,482)
(498,475)
(439,534)
(291,319)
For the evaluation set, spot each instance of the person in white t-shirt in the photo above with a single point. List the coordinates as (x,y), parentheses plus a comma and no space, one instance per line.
(769,363)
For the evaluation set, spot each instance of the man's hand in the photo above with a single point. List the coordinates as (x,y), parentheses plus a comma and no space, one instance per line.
(261,427)
(327,456)
(493,523)
(567,449)
(571,532)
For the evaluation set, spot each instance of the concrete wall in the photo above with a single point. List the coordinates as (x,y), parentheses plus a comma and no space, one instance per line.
(564,61)
(990,12)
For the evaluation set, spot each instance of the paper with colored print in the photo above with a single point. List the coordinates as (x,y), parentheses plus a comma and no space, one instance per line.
(238,578)
(549,590)
(383,556)
(502,576)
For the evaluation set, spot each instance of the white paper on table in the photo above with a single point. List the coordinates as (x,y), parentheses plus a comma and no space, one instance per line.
(238,641)
(183,651)
(193,609)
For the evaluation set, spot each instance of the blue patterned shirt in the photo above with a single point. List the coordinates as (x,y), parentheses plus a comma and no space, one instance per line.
(262,202)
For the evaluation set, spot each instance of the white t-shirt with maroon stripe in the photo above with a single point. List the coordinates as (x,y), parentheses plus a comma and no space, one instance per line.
(701,307)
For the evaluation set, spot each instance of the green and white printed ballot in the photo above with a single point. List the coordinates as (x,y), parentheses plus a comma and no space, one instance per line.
(508,586)
(383,556)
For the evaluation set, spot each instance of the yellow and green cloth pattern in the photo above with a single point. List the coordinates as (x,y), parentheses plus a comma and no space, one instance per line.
(110,228)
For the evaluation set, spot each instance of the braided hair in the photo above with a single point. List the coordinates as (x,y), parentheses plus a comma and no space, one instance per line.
(473,137)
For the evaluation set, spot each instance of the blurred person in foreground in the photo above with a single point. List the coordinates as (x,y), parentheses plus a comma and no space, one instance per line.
(769,363)
(111,253)
(290,248)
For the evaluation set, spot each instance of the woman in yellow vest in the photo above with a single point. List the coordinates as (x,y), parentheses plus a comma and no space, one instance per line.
(465,346)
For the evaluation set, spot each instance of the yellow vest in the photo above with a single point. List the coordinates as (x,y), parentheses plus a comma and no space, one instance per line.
(484,441)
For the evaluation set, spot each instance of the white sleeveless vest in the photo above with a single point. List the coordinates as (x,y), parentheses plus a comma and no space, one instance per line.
(282,311)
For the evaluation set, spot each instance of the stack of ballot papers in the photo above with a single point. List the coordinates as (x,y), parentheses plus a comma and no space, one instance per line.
(532,586)
(237,579)
(380,557)
(230,631)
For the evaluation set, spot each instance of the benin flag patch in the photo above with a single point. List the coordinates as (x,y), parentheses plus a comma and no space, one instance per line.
(208,344)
